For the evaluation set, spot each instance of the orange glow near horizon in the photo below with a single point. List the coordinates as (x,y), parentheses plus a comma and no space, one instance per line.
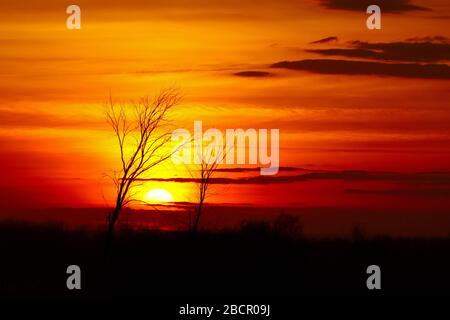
(56,145)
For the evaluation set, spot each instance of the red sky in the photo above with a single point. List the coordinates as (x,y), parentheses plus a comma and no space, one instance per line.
(387,110)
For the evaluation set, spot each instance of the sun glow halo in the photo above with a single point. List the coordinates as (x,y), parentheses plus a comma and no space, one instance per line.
(158,196)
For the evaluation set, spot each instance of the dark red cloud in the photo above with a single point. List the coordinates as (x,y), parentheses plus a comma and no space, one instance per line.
(441,178)
(416,192)
(348,67)
(417,50)
(325,40)
(257,169)
(253,74)
(392,6)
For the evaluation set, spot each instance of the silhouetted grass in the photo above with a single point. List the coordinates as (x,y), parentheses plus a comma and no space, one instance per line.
(260,260)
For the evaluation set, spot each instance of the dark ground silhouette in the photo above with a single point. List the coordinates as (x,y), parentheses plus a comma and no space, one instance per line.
(259,261)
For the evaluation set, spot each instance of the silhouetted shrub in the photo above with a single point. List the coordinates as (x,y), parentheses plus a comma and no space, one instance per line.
(358,234)
(256,228)
(288,225)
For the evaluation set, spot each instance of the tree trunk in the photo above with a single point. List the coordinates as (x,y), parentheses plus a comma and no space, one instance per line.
(110,232)
(197,217)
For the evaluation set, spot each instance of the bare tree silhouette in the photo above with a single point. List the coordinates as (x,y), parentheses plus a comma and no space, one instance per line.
(207,167)
(206,171)
(141,144)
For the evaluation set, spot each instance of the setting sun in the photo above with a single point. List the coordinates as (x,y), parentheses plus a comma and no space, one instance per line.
(158,196)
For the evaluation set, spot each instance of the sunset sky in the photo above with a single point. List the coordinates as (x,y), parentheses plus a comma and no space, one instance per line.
(373,100)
